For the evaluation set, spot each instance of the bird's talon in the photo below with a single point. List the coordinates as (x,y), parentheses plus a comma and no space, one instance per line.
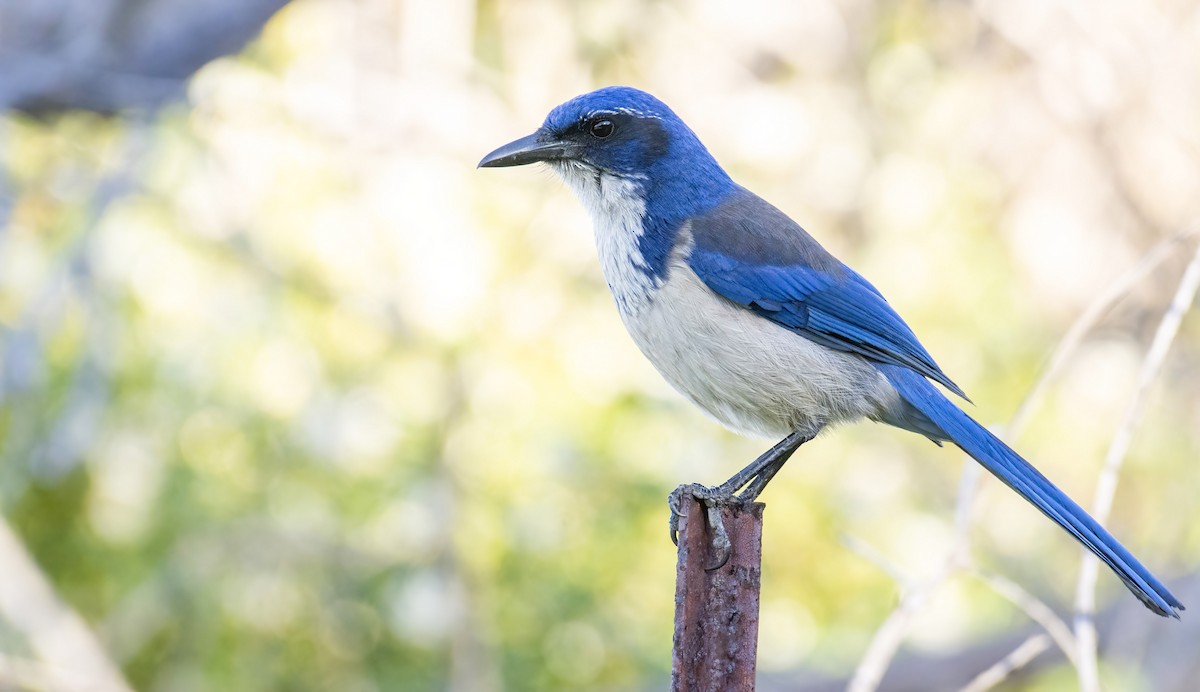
(720,542)
(676,505)
(708,497)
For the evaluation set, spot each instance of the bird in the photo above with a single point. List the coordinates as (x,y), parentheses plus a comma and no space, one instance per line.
(746,315)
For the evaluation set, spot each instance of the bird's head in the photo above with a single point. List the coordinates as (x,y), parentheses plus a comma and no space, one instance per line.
(624,134)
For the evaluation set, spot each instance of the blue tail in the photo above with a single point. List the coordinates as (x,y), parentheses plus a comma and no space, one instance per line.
(1018,474)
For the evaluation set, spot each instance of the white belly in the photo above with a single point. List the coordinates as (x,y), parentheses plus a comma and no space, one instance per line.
(746,372)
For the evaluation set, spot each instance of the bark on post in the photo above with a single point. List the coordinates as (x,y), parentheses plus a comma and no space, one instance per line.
(716,612)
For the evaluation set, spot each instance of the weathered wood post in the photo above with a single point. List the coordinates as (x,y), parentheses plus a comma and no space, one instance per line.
(716,611)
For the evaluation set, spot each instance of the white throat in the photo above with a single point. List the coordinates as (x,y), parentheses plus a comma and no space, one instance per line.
(617,209)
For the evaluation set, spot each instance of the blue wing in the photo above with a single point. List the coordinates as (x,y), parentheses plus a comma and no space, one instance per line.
(752,254)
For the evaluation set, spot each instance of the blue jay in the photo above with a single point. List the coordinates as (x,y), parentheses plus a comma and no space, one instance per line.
(747,316)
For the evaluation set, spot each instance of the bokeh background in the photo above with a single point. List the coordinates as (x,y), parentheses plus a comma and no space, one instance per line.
(294,397)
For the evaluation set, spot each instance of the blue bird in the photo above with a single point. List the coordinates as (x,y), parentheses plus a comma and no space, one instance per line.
(747,316)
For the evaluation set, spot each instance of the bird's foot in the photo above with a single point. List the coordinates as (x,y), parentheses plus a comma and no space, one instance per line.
(750,481)
(711,499)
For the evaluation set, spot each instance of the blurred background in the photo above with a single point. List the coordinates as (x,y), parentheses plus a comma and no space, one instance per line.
(294,397)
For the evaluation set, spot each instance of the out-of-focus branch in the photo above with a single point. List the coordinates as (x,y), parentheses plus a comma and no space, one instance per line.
(1029,649)
(873,555)
(73,658)
(118,54)
(886,642)
(1106,489)
(1035,608)
(891,633)
(1087,320)
(1167,658)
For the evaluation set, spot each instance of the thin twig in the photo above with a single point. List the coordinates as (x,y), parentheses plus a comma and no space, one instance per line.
(891,632)
(1087,320)
(1106,488)
(876,557)
(1018,658)
(1035,608)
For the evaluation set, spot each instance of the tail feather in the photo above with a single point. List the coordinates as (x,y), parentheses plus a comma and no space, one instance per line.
(1019,475)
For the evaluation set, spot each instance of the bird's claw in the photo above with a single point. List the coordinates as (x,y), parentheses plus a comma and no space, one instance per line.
(710,498)
(675,503)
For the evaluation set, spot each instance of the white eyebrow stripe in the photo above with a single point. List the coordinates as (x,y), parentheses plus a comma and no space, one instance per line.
(625,110)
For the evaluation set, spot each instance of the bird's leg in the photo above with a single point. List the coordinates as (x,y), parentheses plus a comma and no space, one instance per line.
(750,480)
(758,483)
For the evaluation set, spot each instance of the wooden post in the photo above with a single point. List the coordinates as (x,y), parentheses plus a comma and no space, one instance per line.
(716,612)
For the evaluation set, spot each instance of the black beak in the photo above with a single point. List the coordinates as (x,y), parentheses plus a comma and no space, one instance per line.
(536,147)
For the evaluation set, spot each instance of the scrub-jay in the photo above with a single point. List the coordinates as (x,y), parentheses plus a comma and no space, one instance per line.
(744,313)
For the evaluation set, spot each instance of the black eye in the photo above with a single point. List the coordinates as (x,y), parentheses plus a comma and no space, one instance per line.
(601,129)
